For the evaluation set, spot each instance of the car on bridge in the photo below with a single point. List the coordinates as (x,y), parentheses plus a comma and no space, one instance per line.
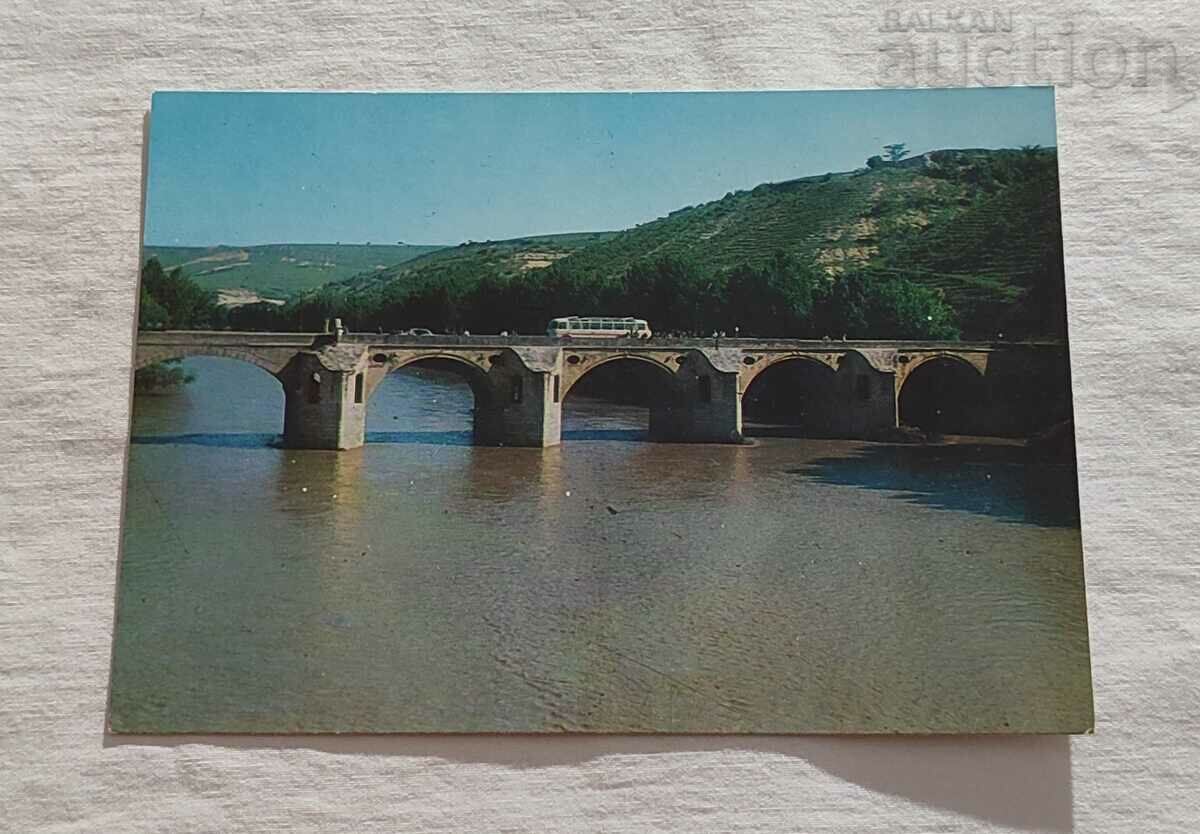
(598,327)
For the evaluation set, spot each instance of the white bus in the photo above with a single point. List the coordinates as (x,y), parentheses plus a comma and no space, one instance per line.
(597,327)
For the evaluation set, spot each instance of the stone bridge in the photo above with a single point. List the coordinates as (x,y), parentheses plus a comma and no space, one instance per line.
(520,383)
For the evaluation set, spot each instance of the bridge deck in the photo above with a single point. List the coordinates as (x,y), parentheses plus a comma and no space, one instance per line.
(267,339)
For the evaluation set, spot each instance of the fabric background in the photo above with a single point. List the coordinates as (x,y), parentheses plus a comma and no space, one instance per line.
(75,82)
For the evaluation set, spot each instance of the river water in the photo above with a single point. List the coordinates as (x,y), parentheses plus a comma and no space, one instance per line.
(421,584)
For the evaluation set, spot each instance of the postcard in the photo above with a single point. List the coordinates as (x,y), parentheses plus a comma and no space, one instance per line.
(721,412)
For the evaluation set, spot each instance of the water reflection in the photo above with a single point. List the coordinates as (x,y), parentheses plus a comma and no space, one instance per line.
(227,440)
(432,438)
(619,435)
(313,482)
(499,474)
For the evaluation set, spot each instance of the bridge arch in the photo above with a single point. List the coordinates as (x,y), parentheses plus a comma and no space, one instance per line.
(230,401)
(471,373)
(978,365)
(150,356)
(942,393)
(667,371)
(771,361)
(427,409)
(793,394)
(643,390)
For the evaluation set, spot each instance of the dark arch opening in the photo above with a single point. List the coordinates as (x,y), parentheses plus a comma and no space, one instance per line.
(622,399)
(431,400)
(213,401)
(942,396)
(792,398)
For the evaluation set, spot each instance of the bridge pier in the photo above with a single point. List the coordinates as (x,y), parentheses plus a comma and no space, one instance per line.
(521,403)
(865,399)
(325,400)
(704,405)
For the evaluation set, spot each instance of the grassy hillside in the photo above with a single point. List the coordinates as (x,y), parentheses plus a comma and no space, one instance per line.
(468,261)
(980,227)
(280,270)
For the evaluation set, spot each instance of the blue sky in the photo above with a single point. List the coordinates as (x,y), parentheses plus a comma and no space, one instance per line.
(249,168)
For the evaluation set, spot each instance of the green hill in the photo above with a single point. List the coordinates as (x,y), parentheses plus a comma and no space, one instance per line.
(280,270)
(978,227)
(503,259)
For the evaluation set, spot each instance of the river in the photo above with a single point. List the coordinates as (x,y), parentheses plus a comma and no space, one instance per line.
(422,584)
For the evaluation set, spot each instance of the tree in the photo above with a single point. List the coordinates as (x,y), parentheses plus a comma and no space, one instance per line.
(793,288)
(151,315)
(670,293)
(173,301)
(864,304)
(261,315)
(161,377)
(895,151)
(776,300)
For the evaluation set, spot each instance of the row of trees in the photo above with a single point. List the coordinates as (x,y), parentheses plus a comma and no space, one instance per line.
(782,299)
